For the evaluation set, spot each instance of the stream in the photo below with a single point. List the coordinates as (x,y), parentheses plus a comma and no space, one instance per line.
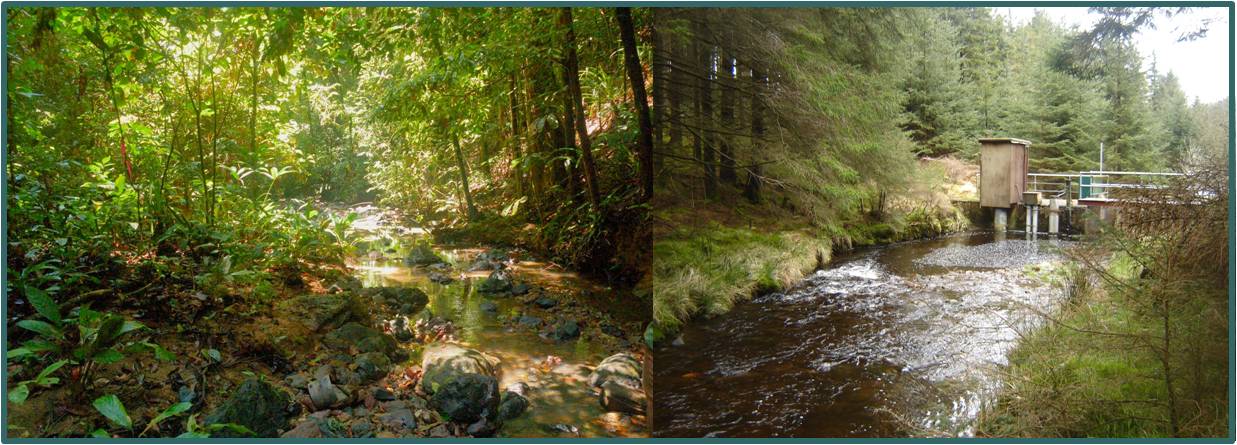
(900,340)
(562,403)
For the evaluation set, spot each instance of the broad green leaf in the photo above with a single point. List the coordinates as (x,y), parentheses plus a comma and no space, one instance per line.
(46,372)
(113,410)
(100,434)
(41,327)
(108,356)
(18,352)
(172,411)
(40,345)
(19,393)
(43,304)
(130,326)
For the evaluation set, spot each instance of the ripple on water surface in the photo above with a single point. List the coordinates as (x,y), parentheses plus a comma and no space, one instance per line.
(887,342)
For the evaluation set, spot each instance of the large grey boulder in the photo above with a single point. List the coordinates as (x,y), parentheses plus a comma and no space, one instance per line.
(620,383)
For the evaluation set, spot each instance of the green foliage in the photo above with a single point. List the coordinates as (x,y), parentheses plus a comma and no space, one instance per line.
(111,408)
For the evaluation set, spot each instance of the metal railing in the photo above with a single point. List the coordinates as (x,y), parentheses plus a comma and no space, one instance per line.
(1094,185)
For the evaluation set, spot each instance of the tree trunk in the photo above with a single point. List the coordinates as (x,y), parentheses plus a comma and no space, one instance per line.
(516,135)
(573,76)
(752,191)
(704,119)
(569,133)
(635,74)
(726,173)
(463,167)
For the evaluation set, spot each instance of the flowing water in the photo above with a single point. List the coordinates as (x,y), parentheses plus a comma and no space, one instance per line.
(562,402)
(905,339)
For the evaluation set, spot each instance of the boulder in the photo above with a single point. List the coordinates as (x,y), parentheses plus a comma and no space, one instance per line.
(399,419)
(467,399)
(617,397)
(372,365)
(259,406)
(443,362)
(422,255)
(620,379)
(364,338)
(407,300)
(325,394)
(498,282)
(565,330)
(622,367)
(322,312)
(511,406)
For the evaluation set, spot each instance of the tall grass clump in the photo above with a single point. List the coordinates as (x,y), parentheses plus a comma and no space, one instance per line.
(705,271)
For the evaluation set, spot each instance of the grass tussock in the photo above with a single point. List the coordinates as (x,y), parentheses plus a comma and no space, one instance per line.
(707,270)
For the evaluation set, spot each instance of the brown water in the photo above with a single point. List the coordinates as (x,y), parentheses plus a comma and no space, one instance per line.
(901,340)
(562,402)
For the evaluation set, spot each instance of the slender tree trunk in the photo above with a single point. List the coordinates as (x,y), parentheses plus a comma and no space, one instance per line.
(635,74)
(569,133)
(573,76)
(674,99)
(726,173)
(462,164)
(660,71)
(752,191)
(516,134)
(704,119)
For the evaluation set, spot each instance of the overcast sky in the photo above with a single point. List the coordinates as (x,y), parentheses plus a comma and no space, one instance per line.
(1201,65)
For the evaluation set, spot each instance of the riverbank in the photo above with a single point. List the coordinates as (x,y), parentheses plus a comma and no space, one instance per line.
(711,256)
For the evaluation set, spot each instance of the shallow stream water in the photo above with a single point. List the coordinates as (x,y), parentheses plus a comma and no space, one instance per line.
(562,402)
(901,340)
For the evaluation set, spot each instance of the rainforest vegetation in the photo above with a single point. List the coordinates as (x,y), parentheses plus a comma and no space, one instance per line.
(784,135)
(178,182)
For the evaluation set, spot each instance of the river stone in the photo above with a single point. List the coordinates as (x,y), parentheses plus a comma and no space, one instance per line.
(440,278)
(618,397)
(498,282)
(565,330)
(362,428)
(545,302)
(444,362)
(489,307)
(408,300)
(364,338)
(519,289)
(468,398)
(620,367)
(399,419)
(320,312)
(307,429)
(529,320)
(511,406)
(257,405)
(325,394)
(383,395)
(372,365)
(422,255)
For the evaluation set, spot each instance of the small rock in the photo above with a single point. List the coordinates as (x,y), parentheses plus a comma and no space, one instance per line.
(529,321)
(325,394)
(565,330)
(468,398)
(440,431)
(511,406)
(546,302)
(440,278)
(383,394)
(520,388)
(519,289)
(393,405)
(678,341)
(257,405)
(482,428)
(400,419)
(362,428)
(498,282)
(298,380)
(611,330)
(425,416)
(489,307)
(307,429)
(372,365)
(422,255)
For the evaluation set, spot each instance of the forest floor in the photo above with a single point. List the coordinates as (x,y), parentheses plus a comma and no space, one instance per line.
(377,347)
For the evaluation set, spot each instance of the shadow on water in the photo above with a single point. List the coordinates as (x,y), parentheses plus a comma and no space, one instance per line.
(562,402)
(899,340)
